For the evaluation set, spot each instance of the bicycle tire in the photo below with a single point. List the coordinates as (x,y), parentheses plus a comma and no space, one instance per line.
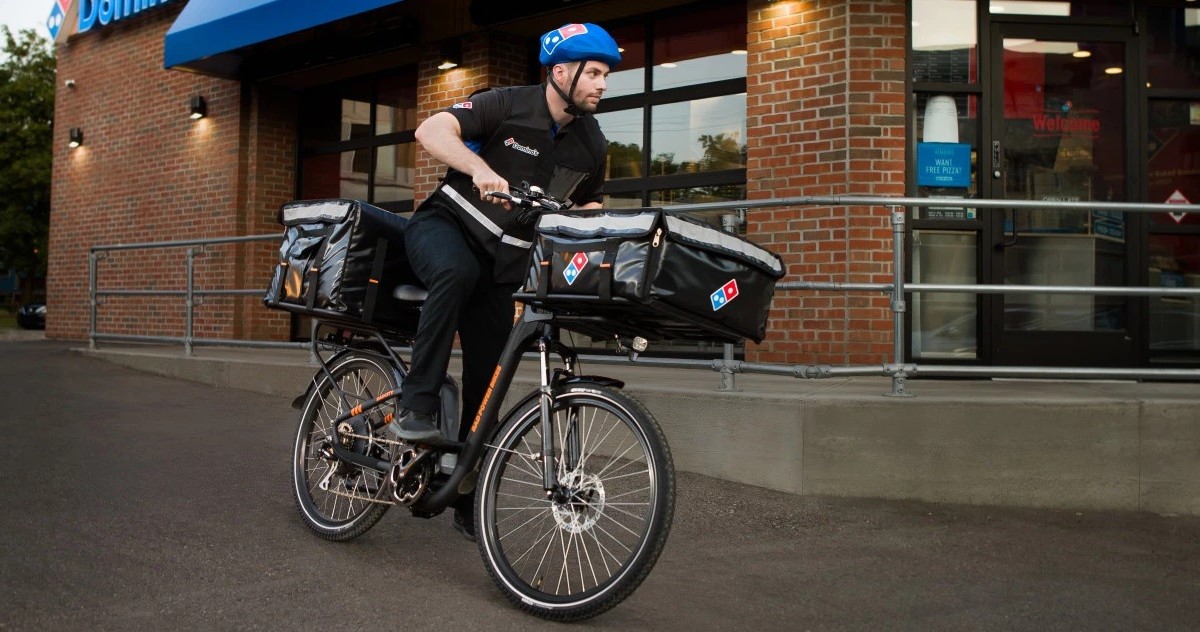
(597,547)
(331,514)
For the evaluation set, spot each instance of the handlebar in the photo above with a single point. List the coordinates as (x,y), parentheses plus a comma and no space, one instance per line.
(529,201)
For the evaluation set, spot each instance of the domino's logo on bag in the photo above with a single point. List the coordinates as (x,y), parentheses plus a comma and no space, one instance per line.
(724,294)
(575,268)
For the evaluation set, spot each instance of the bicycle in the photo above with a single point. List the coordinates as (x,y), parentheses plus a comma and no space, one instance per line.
(575,484)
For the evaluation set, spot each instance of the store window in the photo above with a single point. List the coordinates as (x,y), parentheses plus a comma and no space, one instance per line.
(357,140)
(675,111)
(675,119)
(1173,51)
(945,45)
(1173,176)
(1062,8)
(944,324)
(1173,157)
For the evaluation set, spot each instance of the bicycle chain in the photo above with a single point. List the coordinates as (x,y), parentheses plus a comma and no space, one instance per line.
(371,499)
(375,438)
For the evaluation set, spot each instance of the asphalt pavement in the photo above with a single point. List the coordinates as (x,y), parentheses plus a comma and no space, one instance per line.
(133,501)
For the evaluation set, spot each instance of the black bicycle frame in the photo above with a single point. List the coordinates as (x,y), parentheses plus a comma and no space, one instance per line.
(534,329)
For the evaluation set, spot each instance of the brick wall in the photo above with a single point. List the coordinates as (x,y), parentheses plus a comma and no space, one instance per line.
(825,116)
(147,172)
(489,60)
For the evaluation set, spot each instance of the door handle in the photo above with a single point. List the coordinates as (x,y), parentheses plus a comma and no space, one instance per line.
(1008,242)
(997,157)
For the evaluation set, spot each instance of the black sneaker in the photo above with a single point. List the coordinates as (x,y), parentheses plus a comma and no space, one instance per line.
(415,427)
(464,523)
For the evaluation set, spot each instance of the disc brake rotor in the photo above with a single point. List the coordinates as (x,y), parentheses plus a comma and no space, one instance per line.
(585,504)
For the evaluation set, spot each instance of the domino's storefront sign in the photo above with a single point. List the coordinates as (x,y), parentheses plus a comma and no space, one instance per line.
(105,12)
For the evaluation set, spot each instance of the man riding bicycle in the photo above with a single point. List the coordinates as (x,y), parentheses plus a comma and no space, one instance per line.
(466,247)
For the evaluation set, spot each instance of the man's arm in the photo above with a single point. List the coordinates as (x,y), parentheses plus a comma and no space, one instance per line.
(441,136)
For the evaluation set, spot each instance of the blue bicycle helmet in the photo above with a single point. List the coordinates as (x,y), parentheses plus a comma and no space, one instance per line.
(579,42)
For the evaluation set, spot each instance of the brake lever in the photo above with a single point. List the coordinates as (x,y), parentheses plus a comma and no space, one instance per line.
(514,199)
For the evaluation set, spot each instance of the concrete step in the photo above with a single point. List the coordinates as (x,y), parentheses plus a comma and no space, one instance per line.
(1036,443)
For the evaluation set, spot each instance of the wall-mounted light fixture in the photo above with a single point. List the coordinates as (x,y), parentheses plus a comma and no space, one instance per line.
(451,55)
(76,137)
(198,108)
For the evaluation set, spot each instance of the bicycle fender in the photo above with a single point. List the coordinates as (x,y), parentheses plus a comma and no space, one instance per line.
(298,403)
(596,379)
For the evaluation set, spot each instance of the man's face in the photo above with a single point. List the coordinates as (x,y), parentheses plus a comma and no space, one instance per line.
(592,83)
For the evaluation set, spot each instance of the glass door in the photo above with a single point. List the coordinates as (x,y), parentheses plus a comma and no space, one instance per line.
(1060,132)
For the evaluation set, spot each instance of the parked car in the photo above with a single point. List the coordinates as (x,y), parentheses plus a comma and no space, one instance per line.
(32,316)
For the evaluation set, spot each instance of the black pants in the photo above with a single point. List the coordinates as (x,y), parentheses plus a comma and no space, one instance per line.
(463,298)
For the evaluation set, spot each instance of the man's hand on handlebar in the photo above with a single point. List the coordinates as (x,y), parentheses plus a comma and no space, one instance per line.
(528,201)
(487,181)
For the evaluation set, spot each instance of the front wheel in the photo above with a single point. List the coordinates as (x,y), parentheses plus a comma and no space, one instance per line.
(589,545)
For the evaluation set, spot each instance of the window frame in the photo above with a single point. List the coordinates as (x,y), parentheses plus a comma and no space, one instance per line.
(371,143)
(647,184)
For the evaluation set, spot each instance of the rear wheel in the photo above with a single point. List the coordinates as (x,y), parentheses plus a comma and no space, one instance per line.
(587,547)
(339,500)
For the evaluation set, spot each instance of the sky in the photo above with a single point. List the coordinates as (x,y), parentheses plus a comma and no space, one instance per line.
(26,14)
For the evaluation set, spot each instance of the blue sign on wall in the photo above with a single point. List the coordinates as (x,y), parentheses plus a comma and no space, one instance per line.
(944,165)
(54,22)
(104,12)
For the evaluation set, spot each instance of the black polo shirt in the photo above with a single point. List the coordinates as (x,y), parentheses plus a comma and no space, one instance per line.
(579,146)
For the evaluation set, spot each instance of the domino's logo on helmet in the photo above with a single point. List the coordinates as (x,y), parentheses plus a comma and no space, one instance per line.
(579,42)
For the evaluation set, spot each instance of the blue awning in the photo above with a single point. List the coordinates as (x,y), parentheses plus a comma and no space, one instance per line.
(208,29)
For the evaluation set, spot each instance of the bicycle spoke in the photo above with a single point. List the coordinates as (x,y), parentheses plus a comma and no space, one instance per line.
(578,546)
(349,505)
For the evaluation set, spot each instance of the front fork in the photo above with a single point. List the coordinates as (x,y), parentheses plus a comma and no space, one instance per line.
(571,442)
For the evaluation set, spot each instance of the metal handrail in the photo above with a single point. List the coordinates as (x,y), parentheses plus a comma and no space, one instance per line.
(98,252)
(898,288)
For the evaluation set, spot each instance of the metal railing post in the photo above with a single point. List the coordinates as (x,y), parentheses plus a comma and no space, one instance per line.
(189,302)
(899,307)
(93,299)
(729,223)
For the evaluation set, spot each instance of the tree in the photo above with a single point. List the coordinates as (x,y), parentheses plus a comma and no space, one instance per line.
(26,137)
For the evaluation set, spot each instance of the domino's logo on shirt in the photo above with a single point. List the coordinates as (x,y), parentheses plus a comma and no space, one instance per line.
(724,294)
(575,268)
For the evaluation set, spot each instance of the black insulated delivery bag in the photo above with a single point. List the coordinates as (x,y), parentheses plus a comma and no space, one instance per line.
(657,274)
(341,259)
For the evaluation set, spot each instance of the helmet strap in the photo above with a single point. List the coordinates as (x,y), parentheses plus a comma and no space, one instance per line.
(572,108)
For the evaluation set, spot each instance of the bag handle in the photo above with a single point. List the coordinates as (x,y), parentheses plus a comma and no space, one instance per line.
(607,266)
(381,247)
(544,263)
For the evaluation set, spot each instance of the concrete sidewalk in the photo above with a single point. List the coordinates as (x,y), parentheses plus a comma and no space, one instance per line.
(1035,443)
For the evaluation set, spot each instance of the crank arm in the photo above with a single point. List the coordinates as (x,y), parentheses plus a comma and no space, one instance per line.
(361,460)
